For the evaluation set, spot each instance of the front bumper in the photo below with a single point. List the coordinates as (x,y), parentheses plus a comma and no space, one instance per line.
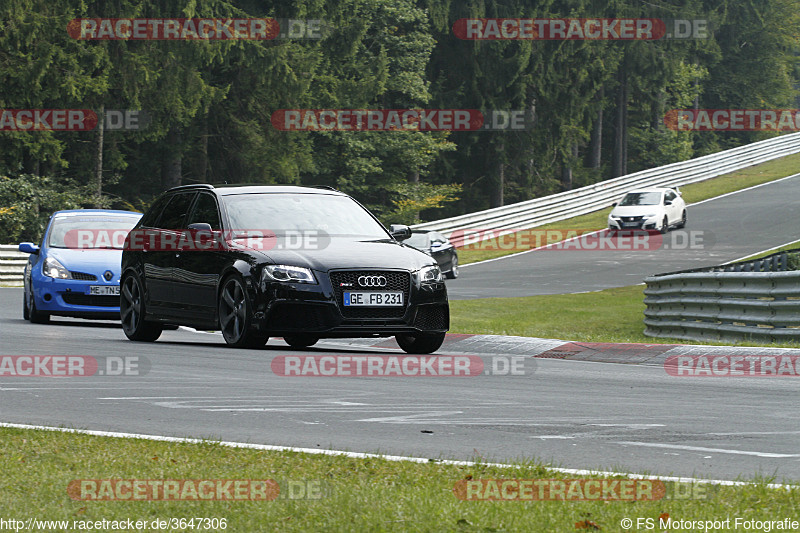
(69,297)
(619,224)
(288,309)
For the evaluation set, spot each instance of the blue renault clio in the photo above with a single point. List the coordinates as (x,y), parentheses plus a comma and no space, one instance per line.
(75,272)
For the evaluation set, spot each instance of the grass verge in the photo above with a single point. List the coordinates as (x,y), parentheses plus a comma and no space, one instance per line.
(735,181)
(359,494)
(610,315)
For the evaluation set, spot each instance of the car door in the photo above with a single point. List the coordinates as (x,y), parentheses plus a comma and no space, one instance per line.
(160,253)
(671,206)
(197,267)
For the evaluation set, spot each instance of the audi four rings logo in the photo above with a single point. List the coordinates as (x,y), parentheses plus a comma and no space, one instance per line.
(372,281)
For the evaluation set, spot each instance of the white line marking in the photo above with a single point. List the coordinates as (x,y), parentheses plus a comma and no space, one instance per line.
(712,450)
(629,426)
(359,455)
(406,418)
(604,229)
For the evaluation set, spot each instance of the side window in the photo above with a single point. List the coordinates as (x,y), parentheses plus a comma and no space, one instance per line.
(669,196)
(152,214)
(175,211)
(438,237)
(205,210)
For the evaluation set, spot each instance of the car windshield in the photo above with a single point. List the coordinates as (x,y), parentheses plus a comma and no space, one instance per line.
(281,213)
(641,198)
(91,231)
(418,240)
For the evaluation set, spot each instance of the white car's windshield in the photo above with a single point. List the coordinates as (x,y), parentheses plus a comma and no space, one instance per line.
(641,198)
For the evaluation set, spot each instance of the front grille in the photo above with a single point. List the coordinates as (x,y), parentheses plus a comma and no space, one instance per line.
(83,276)
(632,219)
(432,317)
(74,298)
(292,316)
(395,281)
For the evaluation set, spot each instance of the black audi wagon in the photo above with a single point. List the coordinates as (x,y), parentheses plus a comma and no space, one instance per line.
(294,262)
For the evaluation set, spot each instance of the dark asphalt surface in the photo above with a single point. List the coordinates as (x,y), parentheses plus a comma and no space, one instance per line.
(730,227)
(572,414)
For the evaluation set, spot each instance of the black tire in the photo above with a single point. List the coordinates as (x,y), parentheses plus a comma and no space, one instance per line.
(133,314)
(301,341)
(235,316)
(453,274)
(26,312)
(665,225)
(420,344)
(35,316)
(683,220)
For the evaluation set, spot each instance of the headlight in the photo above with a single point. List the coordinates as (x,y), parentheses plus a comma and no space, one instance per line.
(54,269)
(650,216)
(430,274)
(615,217)
(289,274)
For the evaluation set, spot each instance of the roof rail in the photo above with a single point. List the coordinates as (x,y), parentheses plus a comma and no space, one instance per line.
(326,187)
(192,186)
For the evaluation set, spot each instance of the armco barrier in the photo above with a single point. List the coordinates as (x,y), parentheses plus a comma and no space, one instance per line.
(751,300)
(12,264)
(553,208)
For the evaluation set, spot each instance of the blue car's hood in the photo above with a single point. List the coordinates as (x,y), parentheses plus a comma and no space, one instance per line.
(88,259)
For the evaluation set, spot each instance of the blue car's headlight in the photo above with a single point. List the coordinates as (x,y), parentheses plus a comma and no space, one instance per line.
(287,273)
(53,269)
(430,274)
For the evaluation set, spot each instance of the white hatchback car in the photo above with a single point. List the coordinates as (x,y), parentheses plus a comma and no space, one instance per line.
(657,208)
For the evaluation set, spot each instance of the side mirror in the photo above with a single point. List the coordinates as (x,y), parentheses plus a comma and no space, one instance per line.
(614,204)
(200,226)
(668,202)
(28,248)
(400,232)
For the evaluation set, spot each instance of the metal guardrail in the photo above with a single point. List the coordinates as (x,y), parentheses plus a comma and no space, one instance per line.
(755,300)
(12,264)
(540,211)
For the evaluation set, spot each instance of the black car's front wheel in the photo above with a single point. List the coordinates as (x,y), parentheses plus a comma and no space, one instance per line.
(132,312)
(420,344)
(235,316)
